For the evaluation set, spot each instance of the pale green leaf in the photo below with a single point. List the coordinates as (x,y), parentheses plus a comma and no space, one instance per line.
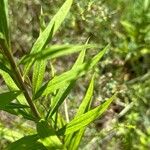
(130,28)
(85,119)
(75,139)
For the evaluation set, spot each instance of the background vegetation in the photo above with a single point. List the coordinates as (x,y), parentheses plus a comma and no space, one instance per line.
(125,68)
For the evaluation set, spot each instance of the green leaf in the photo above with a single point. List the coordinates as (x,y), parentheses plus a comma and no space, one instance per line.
(130,28)
(42,21)
(47,136)
(85,119)
(5,68)
(8,80)
(49,32)
(2,36)
(38,75)
(20,98)
(12,86)
(4,29)
(16,106)
(26,115)
(7,97)
(63,92)
(73,140)
(40,65)
(55,51)
(87,99)
(59,81)
(27,143)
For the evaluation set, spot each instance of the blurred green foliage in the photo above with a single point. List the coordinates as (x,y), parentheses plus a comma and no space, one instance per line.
(126,68)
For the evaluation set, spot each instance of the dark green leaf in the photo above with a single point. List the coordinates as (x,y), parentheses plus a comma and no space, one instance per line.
(16,106)
(7,97)
(4,29)
(27,143)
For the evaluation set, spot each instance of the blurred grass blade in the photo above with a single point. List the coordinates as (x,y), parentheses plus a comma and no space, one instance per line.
(47,136)
(130,28)
(59,81)
(49,32)
(85,119)
(4,25)
(26,143)
(38,75)
(72,141)
(9,134)
(63,92)
(7,97)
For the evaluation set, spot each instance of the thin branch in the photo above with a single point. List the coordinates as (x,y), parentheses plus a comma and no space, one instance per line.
(19,80)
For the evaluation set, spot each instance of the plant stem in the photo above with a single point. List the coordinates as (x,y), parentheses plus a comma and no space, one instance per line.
(66,111)
(20,81)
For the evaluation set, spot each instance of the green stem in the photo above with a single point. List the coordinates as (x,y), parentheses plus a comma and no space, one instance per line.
(20,81)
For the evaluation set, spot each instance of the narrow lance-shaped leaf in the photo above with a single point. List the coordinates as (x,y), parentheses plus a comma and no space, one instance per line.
(38,74)
(73,140)
(85,119)
(55,51)
(7,97)
(47,136)
(58,81)
(39,66)
(49,32)
(15,105)
(63,92)
(87,99)
(4,29)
